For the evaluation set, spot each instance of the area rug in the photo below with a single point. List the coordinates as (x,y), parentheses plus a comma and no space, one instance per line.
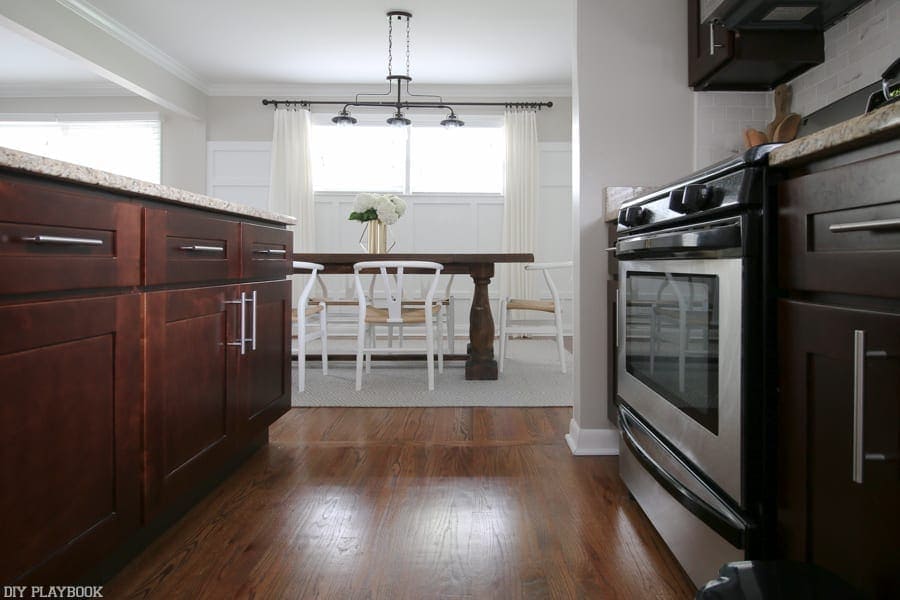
(531,377)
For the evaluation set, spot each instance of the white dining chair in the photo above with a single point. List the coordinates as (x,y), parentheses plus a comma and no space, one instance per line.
(305,310)
(525,326)
(448,310)
(390,275)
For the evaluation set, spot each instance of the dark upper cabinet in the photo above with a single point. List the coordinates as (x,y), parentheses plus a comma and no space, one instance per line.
(721,59)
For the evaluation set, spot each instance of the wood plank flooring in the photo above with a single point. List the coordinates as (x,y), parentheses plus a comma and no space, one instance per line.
(412,503)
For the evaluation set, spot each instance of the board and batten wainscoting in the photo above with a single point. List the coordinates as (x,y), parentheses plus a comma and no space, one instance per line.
(239,172)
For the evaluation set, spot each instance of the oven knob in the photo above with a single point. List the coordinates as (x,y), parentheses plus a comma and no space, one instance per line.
(634,215)
(676,201)
(697,197)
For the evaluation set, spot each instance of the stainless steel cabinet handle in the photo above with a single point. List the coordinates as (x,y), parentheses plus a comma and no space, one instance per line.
(271,251)
(243,338)
(253,328)
(197,248)
(859,390)
(712,39)
(883,224)
(65,241)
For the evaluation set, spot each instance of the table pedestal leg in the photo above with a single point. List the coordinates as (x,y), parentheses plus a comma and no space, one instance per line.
(481,363)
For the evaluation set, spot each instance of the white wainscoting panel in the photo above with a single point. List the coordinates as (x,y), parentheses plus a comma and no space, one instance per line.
(239,172)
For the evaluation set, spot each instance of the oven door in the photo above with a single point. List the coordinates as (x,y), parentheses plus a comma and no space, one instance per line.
(680,357)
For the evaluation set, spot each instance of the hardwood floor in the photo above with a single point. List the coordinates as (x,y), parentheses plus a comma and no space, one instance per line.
(412,503)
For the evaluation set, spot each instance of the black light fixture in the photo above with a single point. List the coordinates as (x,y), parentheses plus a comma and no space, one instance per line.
(452,121)
(344,119)
(399,119)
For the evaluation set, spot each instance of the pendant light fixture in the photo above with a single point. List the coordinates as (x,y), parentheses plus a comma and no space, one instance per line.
(402,103)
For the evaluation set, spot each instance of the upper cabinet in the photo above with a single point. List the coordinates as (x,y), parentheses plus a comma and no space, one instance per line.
(747,59)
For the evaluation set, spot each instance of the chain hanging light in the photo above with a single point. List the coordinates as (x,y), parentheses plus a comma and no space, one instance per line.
(402,81)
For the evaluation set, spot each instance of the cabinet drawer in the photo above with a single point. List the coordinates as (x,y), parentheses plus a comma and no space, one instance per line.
(186,247)
(53,238)
(266,251)
(839,229)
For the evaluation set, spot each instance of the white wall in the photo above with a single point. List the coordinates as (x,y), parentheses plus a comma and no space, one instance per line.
(857,51)
(633,124)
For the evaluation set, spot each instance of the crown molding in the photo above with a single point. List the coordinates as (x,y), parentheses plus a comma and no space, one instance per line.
(313,91)
(62,90)
(113,28)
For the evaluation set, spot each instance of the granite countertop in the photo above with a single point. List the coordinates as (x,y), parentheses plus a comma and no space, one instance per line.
(880,124)
(42,165)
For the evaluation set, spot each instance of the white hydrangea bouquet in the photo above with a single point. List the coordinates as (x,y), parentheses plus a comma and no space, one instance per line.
(386,208)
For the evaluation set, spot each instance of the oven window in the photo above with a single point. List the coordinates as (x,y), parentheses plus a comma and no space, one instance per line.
(672,333)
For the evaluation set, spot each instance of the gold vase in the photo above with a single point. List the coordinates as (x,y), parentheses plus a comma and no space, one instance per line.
(376,240)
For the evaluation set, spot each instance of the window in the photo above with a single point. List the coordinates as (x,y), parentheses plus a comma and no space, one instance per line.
(409,160)
(122,144)
(463,159)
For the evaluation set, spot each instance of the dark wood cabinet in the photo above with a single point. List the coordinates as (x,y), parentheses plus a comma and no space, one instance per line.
(264,390)
(837,228)
(144,350)
(189,247)
(65,239)
(839,367)
(208,391)
(191,397)
(719,59)
(70,438)
(849,527)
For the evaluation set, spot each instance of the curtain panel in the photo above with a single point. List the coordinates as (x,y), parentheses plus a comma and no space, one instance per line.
(520,198)
(290,185)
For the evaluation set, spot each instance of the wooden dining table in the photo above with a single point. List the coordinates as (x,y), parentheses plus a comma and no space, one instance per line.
(479,357)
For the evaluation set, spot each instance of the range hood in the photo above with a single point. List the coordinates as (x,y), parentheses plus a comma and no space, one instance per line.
(815,15)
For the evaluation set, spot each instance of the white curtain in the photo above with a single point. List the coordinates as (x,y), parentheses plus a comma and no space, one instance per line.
(290,182)
(521,197)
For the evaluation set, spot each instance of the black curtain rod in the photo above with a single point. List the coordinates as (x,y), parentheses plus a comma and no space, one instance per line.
(537,105)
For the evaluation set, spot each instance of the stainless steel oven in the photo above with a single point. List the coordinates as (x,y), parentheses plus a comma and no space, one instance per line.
(692,329)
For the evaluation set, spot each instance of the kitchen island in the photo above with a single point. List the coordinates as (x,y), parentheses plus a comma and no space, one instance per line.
(144,351)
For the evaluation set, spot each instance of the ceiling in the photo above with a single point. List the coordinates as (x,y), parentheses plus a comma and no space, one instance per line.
(213,43)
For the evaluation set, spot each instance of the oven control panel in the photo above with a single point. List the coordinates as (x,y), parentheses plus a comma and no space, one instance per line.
(693,199)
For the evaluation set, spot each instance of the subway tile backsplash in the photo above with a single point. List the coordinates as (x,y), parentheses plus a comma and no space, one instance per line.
(857,50)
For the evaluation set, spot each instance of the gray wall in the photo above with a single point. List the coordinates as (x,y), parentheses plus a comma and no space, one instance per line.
(633,125)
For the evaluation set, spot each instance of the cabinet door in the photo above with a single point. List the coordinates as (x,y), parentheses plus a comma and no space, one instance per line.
(709,46)
(70,411)
(191,388)
(824,516)
(265,370)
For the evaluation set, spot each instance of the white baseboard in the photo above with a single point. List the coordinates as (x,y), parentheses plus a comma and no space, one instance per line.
(592,442)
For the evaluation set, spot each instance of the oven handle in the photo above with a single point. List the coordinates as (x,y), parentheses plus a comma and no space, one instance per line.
(731,525)
(719,237)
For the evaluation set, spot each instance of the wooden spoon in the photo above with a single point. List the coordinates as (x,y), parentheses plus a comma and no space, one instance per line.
(782,100)
(787,129)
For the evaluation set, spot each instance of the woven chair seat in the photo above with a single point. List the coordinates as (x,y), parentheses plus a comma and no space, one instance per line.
(409,315)
(541,305)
